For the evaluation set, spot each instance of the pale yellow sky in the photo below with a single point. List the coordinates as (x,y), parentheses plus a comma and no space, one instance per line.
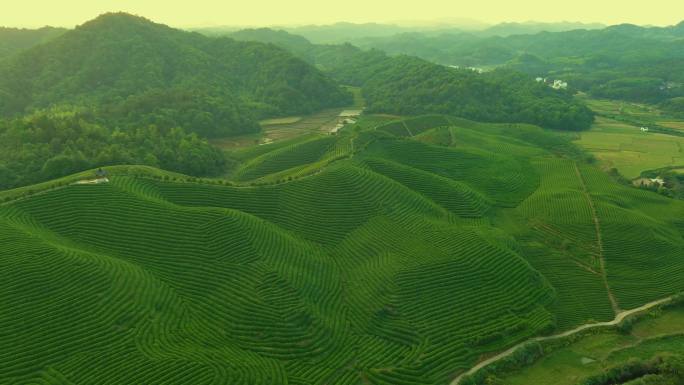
(34,13)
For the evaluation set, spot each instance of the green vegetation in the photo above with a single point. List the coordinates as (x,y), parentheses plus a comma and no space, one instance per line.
(395,252)
(499,96)
(644,354)
(57,142)
(13,40)
(410,86)
(122,90)
(244,235)
(629,150)
(628,62)
(134,69)
(131,89)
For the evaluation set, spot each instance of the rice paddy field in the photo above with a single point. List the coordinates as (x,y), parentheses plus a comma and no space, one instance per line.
(396,252)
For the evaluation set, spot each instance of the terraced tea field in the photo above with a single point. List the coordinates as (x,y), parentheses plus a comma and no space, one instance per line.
(397,253)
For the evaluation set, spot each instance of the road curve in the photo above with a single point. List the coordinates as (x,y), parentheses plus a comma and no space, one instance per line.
(618,318)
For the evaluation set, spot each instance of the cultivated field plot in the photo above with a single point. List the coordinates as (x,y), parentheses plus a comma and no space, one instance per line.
(279,129)
(630,150)
(386,254)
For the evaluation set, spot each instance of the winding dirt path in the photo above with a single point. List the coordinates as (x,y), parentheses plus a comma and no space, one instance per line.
(618,318)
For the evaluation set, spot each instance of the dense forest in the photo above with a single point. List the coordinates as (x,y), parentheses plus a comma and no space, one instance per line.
(60,141)
(120,62)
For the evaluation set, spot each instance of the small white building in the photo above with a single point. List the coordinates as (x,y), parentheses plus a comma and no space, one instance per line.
(659,181)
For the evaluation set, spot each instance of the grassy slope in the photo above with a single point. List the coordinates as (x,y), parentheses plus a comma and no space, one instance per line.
(396,260)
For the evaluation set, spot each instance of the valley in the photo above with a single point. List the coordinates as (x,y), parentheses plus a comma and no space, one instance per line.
(347,204)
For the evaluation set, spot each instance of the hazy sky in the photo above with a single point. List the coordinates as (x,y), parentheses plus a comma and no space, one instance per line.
(33,13)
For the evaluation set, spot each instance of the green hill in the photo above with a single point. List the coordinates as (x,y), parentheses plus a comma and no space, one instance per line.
(132,71)
(376,256)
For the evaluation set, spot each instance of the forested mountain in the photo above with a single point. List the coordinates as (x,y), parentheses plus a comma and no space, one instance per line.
(499,96)
(13,40)
(409,85)
(132,70)
(624,62)
(123,90)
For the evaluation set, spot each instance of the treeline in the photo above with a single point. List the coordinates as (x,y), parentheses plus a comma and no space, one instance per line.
(60,141)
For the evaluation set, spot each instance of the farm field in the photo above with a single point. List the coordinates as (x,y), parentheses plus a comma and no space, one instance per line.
(633,113)
(278,129)
(328,259)
(659,333)
(291,127)
(629,150)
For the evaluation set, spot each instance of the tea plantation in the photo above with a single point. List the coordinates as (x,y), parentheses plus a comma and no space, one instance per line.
(391,253)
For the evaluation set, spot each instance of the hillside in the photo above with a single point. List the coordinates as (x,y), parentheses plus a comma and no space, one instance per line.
(621,62)
(407,85)
(396,252)
(131,71)
(13,40)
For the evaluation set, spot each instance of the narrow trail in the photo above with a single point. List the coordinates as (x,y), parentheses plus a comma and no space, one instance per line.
(618,318)
(599,240)
(407,129)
